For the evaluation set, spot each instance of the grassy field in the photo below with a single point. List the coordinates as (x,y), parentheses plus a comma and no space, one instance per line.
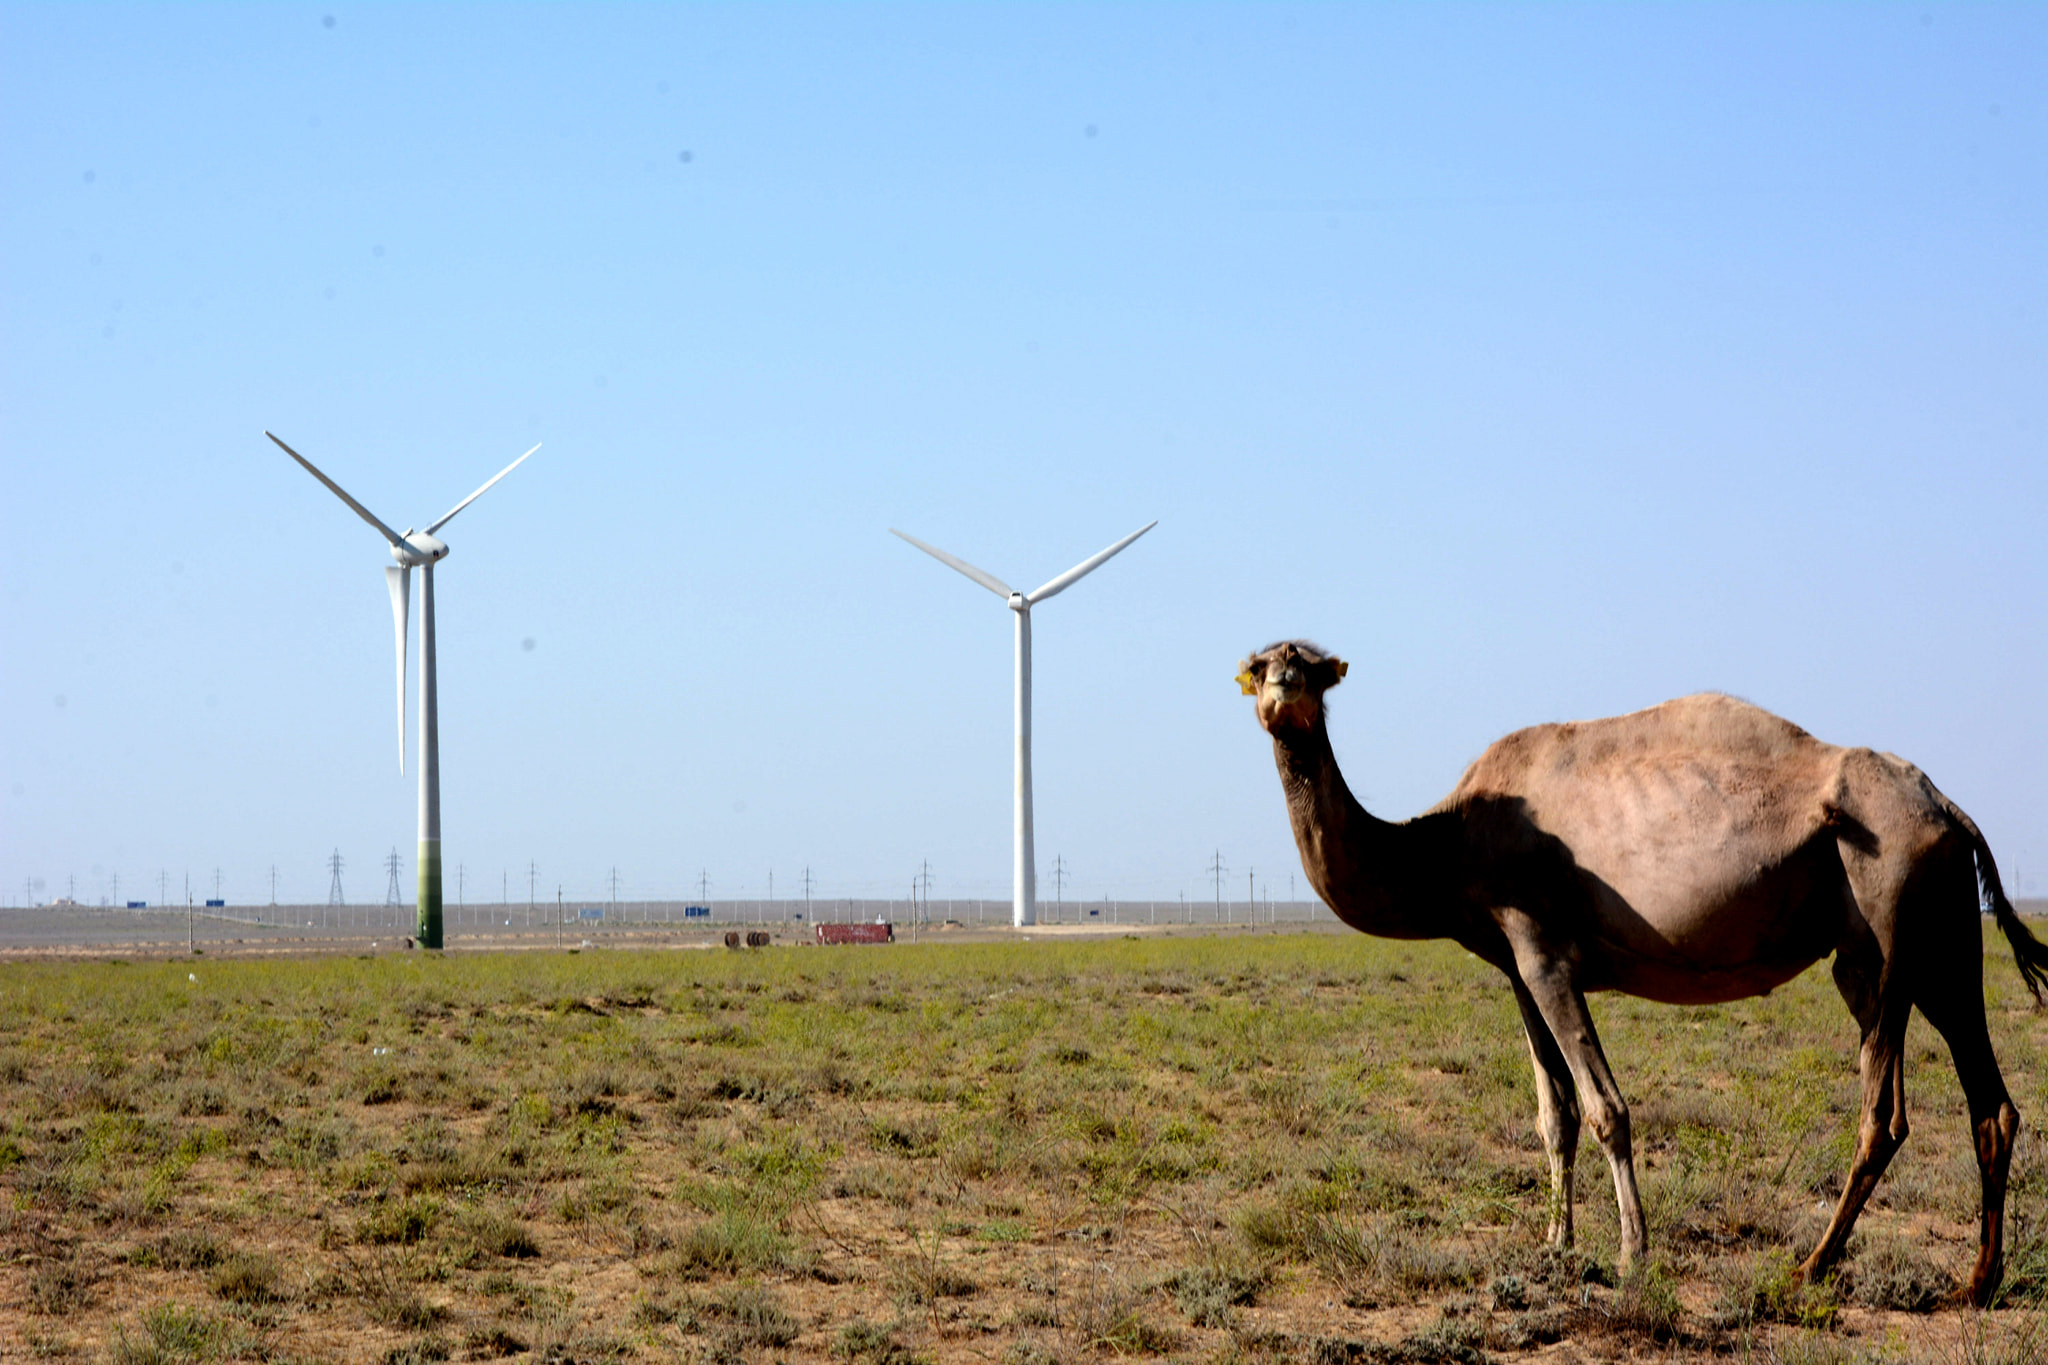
(1307,1147)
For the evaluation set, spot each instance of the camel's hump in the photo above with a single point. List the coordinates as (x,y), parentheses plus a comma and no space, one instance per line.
(1707,729)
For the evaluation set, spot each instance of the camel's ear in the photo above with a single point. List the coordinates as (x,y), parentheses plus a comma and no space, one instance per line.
(1333,672)
(1246,683)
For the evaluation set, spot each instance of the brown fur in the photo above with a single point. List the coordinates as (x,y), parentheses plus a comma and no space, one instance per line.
(1703,850)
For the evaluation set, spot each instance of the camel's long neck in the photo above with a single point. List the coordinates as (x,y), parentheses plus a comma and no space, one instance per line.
(1397,881)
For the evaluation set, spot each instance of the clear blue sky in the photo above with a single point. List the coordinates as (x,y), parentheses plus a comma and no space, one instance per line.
(1544,362)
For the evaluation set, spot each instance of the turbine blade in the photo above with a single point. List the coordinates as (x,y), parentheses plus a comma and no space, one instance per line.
(400,582)
(340,492)
(1085,567)
(987,580)
(479,492)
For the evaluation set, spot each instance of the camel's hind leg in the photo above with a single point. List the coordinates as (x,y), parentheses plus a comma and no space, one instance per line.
(1883,1011)
(1557,1114)
(1952,997)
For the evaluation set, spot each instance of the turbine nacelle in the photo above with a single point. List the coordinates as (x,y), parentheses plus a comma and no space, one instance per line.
(417,548)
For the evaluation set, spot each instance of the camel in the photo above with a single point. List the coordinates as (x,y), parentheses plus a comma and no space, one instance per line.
(1696,852)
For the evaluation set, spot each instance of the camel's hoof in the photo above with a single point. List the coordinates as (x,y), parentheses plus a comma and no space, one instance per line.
(1980,1291)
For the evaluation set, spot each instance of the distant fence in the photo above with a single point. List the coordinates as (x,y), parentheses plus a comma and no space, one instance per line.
(84,926)
(820,910)
(139,921)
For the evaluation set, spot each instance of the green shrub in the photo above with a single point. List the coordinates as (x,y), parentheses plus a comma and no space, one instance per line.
(246,1277)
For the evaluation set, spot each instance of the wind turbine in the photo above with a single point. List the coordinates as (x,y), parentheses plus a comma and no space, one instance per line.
(423,550)
(1024,876)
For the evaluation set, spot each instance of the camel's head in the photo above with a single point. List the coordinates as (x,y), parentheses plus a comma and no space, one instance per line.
(1289,680)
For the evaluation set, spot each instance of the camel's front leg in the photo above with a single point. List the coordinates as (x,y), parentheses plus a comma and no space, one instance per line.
(1546,975)
(1557,1114)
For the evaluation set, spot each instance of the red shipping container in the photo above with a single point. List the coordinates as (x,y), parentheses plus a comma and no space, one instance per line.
(856,933)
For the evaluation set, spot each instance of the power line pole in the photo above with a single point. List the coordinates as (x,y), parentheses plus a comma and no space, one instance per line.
(1251,898)
(807,893)
(1059,888)
(391,887)
(532,879)
(334,896)
(1216,869)
(704,888)
(615,892)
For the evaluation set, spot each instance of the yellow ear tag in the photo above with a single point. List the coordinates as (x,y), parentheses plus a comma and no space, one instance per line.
(1342,668)
(1245,684)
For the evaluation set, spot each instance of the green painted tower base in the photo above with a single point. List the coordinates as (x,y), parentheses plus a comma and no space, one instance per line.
(428,931)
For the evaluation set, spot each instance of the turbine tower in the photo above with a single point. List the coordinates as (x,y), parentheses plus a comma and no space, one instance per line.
(1024,875)
(422,550)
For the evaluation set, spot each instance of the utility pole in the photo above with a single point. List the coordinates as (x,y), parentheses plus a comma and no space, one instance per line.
(1059,888)
(615,892)
(1251,898)
(807,893)
(558,914)
(116,895)
(273,883)
(1216,869)
(191,928)
(532,878)
(704,888)
(334,896)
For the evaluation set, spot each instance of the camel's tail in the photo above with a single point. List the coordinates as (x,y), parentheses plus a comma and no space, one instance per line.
(2027,951)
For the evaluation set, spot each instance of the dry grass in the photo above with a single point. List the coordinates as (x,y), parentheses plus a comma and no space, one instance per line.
(1310,1147)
